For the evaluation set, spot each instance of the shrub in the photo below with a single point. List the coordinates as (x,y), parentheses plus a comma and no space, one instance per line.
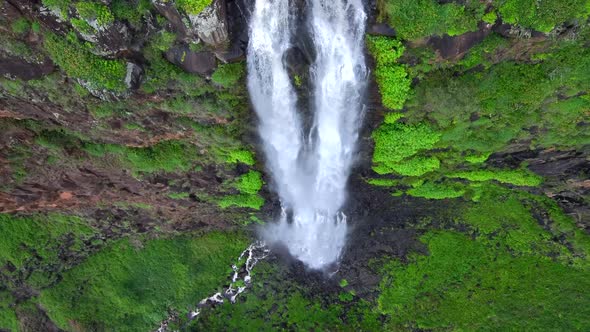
(542,15)
(250,183)
(21,26)
(415,19)
(91,11)
(243,201)
(228,75)
(193,7)
(392,78)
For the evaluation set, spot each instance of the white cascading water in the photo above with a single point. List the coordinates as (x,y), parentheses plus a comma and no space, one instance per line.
(310,170)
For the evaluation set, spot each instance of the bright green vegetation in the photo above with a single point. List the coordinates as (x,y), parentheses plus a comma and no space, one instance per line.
(227,75)
(25,240)
(543,15)
(60,6)
(127,10)
(132,286)
(21,26)
(433,190)
(275,303)
(182,195)
(465,284)
(396,141)
(415,19)
(77,62)
(91,11)
(193,7)
(249,185)
(516,177)
(168,156)
(394,83)
(242,156)
(8,319)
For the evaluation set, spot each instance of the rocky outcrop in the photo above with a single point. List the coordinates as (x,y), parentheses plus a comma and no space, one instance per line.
(17,67)
(202,62)
(211,24)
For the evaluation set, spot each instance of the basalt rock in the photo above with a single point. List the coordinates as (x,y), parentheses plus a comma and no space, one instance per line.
(202,62)
(18,67)
(211,24)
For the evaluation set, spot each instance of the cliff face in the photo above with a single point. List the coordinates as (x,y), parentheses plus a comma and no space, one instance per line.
(127,142)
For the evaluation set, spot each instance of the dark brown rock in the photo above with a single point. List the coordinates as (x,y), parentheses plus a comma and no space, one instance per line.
(454,47)
(381,29)
(15,67)
(193,62)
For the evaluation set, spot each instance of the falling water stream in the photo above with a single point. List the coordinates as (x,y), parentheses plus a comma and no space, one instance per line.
(309,169)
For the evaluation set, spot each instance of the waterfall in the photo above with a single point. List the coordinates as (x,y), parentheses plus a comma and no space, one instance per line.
(309,169)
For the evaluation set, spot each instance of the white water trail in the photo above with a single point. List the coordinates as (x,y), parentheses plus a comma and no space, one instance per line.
(310,179)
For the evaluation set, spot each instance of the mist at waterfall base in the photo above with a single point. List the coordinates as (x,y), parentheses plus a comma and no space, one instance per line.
(309,167)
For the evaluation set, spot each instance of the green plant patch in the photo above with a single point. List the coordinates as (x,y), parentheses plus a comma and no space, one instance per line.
(397,141)
(515,177)
(463,284)
(77,62)
(228,75)
(193,7)
(38,237)
(21,26)
(432,190)
(251,201)
(422,18)
(133,286)
(249,183)
(542,15)
(94,11)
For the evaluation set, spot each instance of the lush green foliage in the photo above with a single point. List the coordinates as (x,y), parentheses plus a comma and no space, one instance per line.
(516,177)
(433,190)
(131,286)
(228,75)
(77,62)
(542,15)
(241,156)
(242,200)
(37,237)
(465,284)
(415,19)
(91,11)
(193,7)
(394,83)
(397,141)
(250,183)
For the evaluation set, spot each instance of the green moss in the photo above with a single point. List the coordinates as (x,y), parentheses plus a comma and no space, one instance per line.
(130,11)
(133,287)
(37,237)
(91,11)
(477,158)
(464,284)
(21,26)
(422,18)
(383,182)
(182,195)
(60,6)
(168,156)
(250,183)
(243,201)
(82,26)
(415,166)
(490,17)
(431,190)
(77,62)
(515,177)
(274,302)
(193,7)
(8,320)
(240,156)
(227,75)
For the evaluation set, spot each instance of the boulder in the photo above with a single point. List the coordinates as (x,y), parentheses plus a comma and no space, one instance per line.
(17,67)
(211,24)
(198,62)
